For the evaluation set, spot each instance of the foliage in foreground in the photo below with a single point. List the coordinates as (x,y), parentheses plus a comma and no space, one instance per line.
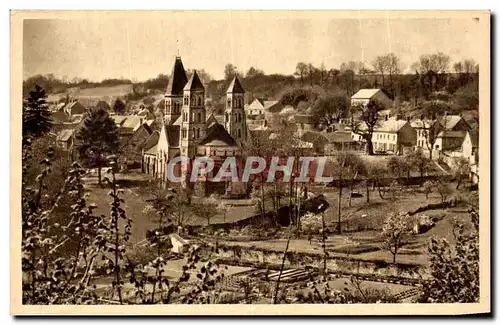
(455,267)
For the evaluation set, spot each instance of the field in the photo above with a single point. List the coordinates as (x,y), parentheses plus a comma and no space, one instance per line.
(361,222)
(95,93)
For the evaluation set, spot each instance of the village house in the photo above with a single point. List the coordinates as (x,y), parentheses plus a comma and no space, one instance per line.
(426,129)
(260,107)
(65,139)
(74,107)
(364,96)
(131,147)
(327,143)
(393,136)
(304,123)
(149,151)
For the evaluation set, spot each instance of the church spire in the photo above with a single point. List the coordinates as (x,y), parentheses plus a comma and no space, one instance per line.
(178,79)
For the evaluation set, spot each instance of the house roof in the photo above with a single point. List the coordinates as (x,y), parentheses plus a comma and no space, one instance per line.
(304,118)
(218,136)
(194,83)
(270,103)
(451,134)
(133,122)
(390,125)
(59,117)
(338,137)
(178,78)
(257,104)
(235,86)
(449,121)
(65,135)
(365,93)
(128,123)
(152,141)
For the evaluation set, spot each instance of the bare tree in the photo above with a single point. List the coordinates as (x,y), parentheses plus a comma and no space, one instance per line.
(380,66)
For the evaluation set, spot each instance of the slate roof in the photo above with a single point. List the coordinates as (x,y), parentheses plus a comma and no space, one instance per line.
(59,117)
(338,137)
(451,134)
(449,121)
(194,83)
(152,141)
(270,103)
(218,136)
(365,93)
(178,79)
(235,86)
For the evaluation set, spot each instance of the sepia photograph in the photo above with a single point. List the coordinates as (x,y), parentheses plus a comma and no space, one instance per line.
(250,162)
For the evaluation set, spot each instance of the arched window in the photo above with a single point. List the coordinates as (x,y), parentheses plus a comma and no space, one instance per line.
(227,117)
(197,133)
(200,100)
(229,102)
(239,133)
(199,117)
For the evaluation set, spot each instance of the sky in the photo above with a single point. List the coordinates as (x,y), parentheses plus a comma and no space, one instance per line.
(140,45)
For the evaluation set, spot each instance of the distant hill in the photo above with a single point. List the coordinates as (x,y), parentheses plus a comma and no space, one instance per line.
(106,93)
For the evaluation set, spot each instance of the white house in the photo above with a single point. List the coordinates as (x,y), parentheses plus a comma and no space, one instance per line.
(260,107)
(364,96)
(393,136)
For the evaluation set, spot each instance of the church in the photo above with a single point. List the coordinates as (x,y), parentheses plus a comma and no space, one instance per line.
(188,131)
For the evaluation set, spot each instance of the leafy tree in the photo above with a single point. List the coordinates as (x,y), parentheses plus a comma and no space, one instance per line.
(364,119)
(348,166)
(253,72)
(454,267)
(461,171)
(396,227)
(98,138)
(119,107)
(230,71)
(377,172)
(328,109)
(428,187)
(206,209)
(301,70)
(442,189)
(399,167)
(418,161)
(36,114)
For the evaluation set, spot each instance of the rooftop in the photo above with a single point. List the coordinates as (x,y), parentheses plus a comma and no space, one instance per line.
(365,93)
